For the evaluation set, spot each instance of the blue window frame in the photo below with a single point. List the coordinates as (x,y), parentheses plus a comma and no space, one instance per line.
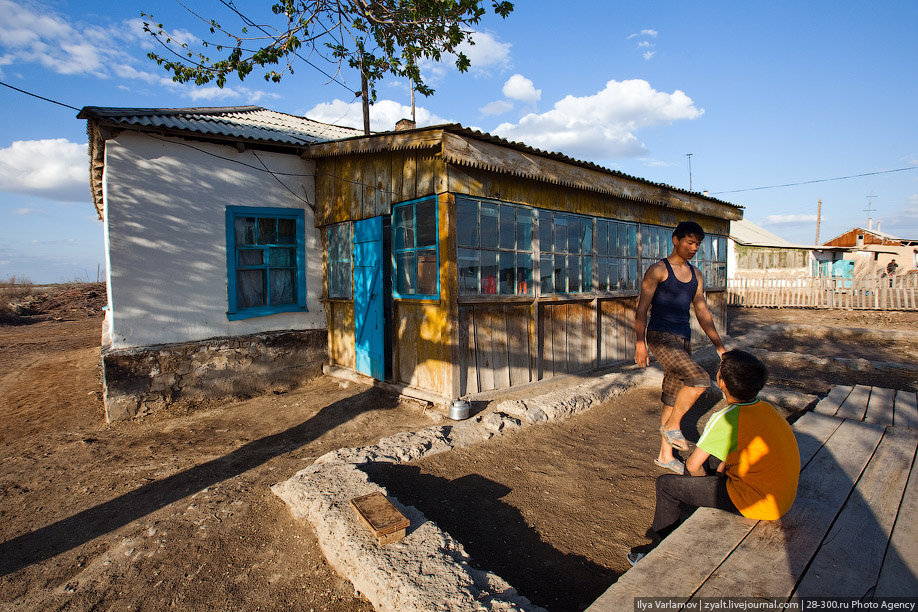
(565,253)
(415,249)
(266,261)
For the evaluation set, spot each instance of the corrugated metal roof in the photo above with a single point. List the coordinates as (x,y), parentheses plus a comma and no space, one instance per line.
(748,233)
(244,122)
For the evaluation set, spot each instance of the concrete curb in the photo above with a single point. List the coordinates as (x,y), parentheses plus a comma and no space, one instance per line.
(427,570)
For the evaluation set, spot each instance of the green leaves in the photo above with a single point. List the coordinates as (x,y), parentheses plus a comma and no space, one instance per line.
(378,37)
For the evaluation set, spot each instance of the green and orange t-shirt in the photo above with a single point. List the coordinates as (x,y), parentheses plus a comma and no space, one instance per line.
(763,462)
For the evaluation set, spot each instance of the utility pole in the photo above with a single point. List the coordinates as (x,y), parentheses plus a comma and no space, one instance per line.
(365,94)
(689,155)
(818,218)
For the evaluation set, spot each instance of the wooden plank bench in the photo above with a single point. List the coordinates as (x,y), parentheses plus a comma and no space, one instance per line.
(850,533)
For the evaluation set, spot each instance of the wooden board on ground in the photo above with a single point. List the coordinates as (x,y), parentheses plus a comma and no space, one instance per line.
(855,405)
(906,413)
(812,430)
(880,406)
(899,574)
(708,537)
(864,524)
(830,403)
(774,555)
(386,522)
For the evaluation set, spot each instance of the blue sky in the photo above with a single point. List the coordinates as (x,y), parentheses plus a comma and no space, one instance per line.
(760,94)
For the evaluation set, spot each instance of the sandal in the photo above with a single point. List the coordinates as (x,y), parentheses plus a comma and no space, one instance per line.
(634,557)
(674,438)
(675,466)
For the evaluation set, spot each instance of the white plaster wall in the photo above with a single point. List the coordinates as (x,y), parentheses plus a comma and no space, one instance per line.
(165,218)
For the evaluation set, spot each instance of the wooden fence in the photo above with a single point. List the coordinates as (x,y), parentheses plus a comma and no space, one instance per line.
(861,293)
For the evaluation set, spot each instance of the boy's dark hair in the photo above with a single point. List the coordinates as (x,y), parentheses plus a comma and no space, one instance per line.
(743,374)
(688,228)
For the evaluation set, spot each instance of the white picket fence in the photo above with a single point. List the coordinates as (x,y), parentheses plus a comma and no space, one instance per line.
(878,292)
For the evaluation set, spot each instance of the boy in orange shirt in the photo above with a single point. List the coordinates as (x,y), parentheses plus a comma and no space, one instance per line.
(755,452)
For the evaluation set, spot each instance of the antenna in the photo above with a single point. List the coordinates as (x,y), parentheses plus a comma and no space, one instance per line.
(689,155)
(867,210)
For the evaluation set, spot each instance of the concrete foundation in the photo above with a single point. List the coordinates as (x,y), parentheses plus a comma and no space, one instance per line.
(140,381)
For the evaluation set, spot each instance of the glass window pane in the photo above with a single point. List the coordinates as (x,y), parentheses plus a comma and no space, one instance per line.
(524,229)
(404,227)
(602,237)
(560,234)
(507,263)
(573,274)
(251,257)
(339,279)
(546,273)
(427,272)
(586,236)
(245,230)
(467,222)
(286,231)
(267,231)
(560,273)
(283,287)
(524,273)
(614,282)
(545,234)
(489,272)
(468,271)
(602,274)
(632,242)
(507,227)
(405,273)
(426,220)
(282,257)
(573,235)
(587,277)
(489,223)
(250,288)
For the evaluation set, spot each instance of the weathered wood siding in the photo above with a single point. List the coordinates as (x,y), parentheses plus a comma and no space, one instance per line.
(340,316)
(424,331)
(616,330)
(496,347)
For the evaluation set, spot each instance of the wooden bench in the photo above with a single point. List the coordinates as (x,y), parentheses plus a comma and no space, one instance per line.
(850,533)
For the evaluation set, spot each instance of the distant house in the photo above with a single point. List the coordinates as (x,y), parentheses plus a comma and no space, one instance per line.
(754,252)
(870,250)
(246,248)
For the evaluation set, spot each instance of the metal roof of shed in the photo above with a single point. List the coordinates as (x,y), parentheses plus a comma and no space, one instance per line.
(252,123)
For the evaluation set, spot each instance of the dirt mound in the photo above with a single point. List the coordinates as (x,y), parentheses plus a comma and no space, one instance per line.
(25,303)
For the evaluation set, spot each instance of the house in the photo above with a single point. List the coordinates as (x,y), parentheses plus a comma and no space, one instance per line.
(871,250)
(754,252)
(247,247)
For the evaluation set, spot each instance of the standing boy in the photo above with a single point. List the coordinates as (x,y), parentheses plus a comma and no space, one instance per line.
(669,287)
(758,462)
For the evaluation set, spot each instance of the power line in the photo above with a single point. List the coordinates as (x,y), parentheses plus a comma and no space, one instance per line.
(28,93)
(838,178)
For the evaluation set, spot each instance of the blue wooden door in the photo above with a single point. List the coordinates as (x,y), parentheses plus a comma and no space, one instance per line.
(369,322)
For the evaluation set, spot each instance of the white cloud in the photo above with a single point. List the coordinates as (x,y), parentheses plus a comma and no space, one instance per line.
(602,126)
(54,169)
(28,211)
(648,54)
(789,219)
(651,33)
(486,56)
(520,88)
(383,115)
(498,107)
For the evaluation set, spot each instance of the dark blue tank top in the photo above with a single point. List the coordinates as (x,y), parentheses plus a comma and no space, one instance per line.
(669,308)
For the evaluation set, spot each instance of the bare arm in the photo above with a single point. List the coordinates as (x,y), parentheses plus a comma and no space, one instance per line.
(648,288)
(695,463)
(703,314)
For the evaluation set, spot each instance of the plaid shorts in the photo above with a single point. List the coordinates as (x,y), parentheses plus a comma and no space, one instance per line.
(679,369)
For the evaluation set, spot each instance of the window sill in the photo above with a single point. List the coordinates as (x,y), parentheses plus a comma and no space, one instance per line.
(263,312)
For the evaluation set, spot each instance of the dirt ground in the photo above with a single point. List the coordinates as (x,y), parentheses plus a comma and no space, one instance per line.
(175,512)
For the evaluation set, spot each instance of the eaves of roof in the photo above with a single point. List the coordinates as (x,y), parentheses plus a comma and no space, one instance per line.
(472,148)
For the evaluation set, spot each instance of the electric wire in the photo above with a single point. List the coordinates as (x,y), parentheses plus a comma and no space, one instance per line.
(838,178)
(28,93)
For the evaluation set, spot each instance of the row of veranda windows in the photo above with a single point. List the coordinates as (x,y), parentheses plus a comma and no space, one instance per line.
(497,252)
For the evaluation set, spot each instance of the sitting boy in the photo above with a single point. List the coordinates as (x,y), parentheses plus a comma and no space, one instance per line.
(759,463)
